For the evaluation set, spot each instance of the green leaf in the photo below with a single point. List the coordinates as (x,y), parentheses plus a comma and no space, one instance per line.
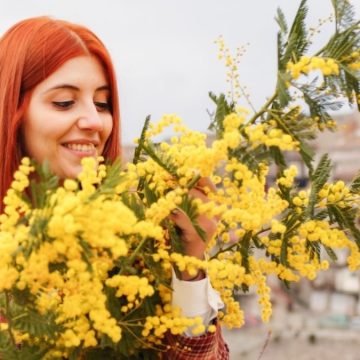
(284,252)
(352,81)
(44,183)
(314,249)
(281,20)
(113,178)
(132,201)
(35,324)
(318,180)
(355,184)
(295,131)
(142,140)
(278,157)
(246,251)
(297,42)
(282,89)
(344,14)
(330,252)
(190,209)
(150,195)
(346,220)
(162,160)
(175,238)
(223,108)
(252,157)
(257,242)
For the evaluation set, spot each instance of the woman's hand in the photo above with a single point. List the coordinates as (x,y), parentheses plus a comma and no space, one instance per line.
(193,244)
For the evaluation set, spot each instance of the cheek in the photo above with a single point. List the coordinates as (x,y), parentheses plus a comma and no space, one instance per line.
(40,138)
(108,127)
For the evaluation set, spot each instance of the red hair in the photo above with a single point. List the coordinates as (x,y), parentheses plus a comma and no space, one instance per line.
(30,51)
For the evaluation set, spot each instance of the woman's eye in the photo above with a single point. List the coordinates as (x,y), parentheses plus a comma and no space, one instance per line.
(63,104)
(102,106)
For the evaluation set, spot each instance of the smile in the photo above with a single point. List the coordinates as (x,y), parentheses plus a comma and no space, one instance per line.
(81,147)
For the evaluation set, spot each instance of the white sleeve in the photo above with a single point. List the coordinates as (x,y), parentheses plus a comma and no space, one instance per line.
(196,298)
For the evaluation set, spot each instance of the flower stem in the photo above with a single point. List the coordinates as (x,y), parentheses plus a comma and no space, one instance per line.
(226,249)
(193,182)
(134,254)
(8,318)
(264,108)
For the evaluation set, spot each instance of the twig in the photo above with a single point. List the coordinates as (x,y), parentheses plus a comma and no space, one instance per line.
(247,97)
(263,109)
(267,341)
(135,252)
(193,182)
(141,140)
(226,249)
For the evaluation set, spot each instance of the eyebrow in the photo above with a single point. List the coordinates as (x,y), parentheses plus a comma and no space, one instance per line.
(73,87)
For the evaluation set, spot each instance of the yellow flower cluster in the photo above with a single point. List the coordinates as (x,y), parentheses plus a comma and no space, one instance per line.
(14,204)
(226,275)
(65,263)
(307,64)
(337,193)
(288,177)
(321,231)
(161,209)
(168,318)
(132,287)
(97,273)
(353,61)
(263,290)
(301,200)
(232,64)
(270,136)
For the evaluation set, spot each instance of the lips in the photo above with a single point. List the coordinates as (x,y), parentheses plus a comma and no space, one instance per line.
(82,147)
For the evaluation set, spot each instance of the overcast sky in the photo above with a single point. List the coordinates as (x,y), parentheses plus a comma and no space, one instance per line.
(164,51)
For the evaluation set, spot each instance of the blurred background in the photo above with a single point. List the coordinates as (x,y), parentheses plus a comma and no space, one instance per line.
(166,62)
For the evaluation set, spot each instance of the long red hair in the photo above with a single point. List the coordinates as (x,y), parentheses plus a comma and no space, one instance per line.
(30,51)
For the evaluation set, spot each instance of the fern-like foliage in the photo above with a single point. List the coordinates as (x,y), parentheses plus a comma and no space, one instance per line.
(159,157)
(297,42)
(45,181)
(114,177)
(355,184)
(318,180)
(346,219)
(142,140)
(223,108)
(190,210)
(344,14)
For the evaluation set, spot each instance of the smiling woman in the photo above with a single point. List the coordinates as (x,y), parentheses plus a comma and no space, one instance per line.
(59,103)
(69,116)
(34,58)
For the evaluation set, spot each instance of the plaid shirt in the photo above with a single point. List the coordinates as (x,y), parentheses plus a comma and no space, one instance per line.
(210,346)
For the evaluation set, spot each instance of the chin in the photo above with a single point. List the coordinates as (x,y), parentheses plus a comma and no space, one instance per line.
(73,172)
(67,172)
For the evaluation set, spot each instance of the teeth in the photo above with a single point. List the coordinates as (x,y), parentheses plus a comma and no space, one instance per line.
(81,147)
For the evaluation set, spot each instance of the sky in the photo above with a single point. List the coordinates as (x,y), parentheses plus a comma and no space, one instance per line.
(164,51)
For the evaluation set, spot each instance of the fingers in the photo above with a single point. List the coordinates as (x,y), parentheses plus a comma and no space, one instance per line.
(205,184)
(189,233)
(202,189)
(196,193)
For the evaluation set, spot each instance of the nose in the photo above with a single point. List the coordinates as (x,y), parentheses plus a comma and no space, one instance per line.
(90,118)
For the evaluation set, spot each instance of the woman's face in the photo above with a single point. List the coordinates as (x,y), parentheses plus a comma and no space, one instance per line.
(69,116)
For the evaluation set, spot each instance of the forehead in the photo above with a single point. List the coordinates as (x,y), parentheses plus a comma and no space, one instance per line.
(83,72)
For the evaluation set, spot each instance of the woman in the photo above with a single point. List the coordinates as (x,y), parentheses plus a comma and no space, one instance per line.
(59,102)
